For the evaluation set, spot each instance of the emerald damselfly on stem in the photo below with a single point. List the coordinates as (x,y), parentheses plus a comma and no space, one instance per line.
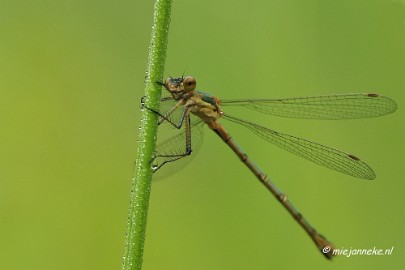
(188,108)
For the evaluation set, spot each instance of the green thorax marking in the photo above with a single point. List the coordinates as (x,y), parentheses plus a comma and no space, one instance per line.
(208,98)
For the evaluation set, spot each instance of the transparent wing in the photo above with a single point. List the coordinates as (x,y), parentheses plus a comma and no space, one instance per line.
(315,152)
(171,146)
(169,110)
(346,106)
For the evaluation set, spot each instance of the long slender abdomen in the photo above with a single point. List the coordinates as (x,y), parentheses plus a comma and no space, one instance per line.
(321,242)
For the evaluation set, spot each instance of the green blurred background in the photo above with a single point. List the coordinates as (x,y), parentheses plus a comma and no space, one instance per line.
(71,78)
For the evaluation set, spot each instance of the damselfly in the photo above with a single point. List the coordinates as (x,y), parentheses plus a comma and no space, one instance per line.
(187,107)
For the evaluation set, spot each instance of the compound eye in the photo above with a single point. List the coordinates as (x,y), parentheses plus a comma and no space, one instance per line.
(189,83)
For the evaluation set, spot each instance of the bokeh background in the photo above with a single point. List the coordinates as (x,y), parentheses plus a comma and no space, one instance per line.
(71,78)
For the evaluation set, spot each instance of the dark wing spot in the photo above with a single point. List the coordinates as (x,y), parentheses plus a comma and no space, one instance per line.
(354,157)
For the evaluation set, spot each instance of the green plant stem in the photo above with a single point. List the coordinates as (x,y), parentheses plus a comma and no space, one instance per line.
(141,182)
